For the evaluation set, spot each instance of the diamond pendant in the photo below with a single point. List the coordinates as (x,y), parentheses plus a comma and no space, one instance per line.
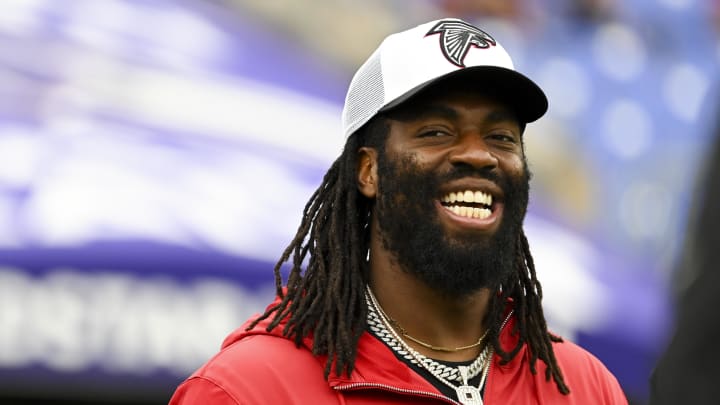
(469,395)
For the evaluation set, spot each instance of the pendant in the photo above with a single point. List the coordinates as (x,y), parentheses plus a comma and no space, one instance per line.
(469,395)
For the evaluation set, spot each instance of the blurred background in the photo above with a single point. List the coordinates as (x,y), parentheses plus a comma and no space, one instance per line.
(155,157)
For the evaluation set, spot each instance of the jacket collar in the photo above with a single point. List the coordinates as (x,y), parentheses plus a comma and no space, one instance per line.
(376,366)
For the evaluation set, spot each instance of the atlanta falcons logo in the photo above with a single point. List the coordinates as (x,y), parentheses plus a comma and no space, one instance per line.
(456,38)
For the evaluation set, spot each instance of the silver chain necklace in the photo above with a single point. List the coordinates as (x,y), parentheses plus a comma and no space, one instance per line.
(467,395)
(377,323)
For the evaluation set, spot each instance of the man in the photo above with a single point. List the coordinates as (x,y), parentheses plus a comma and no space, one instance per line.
(411,278)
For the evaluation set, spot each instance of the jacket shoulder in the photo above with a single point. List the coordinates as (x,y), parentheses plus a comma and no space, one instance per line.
(199,390)
(259,369)
(586,376)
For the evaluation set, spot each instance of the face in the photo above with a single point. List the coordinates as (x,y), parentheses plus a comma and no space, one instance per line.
(453,191)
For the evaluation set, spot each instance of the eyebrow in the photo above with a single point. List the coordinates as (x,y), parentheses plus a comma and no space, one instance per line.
(503,115)
(443,111)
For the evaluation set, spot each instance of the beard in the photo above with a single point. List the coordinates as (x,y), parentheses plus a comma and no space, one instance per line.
(410,227)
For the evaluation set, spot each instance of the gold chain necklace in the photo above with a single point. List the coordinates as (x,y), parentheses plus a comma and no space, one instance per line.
(404,333)
(433,347)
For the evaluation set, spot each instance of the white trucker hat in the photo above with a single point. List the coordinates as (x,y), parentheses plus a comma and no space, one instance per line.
(409,61)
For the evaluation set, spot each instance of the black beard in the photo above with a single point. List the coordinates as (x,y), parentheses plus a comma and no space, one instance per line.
(410,228)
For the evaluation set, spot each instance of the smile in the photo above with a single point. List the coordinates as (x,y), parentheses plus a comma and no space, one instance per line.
(468,203)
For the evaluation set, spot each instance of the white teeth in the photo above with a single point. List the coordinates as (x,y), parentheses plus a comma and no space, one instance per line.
(480,213)
(469,212)
(479,197)
(468,196)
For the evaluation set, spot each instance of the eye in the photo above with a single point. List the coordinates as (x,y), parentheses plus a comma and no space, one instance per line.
(433,133)
(503,137)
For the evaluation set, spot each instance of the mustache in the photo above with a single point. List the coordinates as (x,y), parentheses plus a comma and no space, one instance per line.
(460,172)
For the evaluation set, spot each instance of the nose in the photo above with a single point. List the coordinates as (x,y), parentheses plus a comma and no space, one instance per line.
(472,150)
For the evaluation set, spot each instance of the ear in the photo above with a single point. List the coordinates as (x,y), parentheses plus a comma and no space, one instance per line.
(367,172)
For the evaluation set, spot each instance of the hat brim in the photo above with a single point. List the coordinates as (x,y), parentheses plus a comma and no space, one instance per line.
(522,94)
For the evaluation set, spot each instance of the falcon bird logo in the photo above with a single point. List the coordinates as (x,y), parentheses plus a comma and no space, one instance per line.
(456,37)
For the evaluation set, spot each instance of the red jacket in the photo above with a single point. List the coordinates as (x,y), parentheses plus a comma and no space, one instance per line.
(259,367)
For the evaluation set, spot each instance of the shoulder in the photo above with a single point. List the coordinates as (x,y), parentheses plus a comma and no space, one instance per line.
(586,375)
(258,369)
(199,390)
(578,360)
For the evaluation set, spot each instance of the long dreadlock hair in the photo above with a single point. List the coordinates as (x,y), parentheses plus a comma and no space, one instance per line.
(327,298)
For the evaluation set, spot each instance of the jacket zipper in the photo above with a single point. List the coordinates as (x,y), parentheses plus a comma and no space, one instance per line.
(395,389)
(487,379)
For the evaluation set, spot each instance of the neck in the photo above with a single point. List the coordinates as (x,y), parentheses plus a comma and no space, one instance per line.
(426,314)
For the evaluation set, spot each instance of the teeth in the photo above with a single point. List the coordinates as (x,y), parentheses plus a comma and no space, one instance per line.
(479,197)
(468,196)
(469,212)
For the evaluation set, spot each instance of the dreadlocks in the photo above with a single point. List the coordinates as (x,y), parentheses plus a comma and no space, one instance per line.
(524,289)
(327,299)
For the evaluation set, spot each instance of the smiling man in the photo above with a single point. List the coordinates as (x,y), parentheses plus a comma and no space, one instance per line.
(411,278)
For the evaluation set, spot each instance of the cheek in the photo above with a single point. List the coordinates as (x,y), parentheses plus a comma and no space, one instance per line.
(421,162)
(513,165)
(407,161)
